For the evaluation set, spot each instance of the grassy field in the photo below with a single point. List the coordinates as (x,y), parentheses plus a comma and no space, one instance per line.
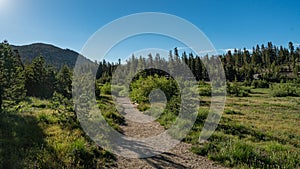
(258,131)
(36,135)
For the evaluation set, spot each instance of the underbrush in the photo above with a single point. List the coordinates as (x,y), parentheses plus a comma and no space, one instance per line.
(46,134)
(237,90)
(285,89)
(260,84)
(111,115)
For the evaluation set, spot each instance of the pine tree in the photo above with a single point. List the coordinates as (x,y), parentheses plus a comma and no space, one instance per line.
(246,57)
(171,63)
(199,69)
(40,79)
(99,71)
(11,75)
(64,82)
(150,60)
(184,58)
(141,64)
(298,54)
(292,56)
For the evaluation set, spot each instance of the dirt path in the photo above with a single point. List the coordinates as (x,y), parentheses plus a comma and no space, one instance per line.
(177,157)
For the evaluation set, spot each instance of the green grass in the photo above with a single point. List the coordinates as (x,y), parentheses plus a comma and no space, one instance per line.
(260,131)
(257,130)
(33,135)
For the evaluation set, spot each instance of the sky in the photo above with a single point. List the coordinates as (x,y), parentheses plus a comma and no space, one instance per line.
(227,24)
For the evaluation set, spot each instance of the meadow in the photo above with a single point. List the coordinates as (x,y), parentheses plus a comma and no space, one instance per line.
(258,128)
(256,131)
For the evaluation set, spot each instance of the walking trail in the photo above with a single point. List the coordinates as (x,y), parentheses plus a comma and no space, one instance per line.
(177,157)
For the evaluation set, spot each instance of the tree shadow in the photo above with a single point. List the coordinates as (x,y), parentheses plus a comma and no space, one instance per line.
(21,140)
(164,160)
(160,160)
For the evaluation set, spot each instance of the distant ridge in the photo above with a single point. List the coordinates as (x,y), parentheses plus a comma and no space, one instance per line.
(54,55)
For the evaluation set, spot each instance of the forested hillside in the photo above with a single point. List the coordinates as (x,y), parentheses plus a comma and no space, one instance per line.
(53,55)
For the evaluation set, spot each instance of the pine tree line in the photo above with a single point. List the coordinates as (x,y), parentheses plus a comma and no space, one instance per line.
(269,62)
(272,63)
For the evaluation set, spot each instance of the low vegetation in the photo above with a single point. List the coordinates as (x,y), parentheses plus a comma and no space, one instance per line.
(257,129)
(285,89)
(254,132)
(46,134)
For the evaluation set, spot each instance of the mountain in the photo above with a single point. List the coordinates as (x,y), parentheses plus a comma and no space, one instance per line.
(54,56)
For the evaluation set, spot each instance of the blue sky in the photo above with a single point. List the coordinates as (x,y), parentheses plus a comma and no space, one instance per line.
(228,24)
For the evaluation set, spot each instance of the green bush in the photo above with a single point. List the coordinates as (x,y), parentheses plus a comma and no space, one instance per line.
(285,89)
(106,88)
(141,88)
(236,89)
(260,84)
(61,103)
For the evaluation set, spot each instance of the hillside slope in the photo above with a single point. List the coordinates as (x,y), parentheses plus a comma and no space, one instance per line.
(54,56)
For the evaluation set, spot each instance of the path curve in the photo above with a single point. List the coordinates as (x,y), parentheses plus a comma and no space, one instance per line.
(177,157)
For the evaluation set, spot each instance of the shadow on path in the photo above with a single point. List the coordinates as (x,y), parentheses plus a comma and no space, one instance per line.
(164,160)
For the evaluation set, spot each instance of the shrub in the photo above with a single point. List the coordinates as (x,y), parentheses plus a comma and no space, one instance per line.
(237,90)
(285,89)
(260,84)
(141,88)
(106,88)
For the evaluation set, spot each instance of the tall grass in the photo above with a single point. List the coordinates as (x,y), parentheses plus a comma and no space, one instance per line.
(33,135)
